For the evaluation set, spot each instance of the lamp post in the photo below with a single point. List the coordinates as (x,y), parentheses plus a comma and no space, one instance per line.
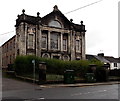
(33,61)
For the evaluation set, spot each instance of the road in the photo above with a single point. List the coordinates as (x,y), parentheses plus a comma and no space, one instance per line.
(13,89)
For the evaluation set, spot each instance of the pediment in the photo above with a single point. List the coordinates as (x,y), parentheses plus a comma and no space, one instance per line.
(56,19)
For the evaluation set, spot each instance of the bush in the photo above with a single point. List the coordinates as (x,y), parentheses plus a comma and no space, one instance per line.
(23,64)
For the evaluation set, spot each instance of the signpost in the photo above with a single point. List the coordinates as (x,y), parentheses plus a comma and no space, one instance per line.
(33,61)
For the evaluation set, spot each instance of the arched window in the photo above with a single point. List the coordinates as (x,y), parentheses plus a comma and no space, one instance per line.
(55,23)
(46,55)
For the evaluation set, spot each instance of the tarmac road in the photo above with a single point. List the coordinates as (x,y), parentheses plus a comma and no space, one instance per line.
(13,89)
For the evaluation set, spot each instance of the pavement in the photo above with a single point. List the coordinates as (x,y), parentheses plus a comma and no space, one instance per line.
(71,85)
(79,84)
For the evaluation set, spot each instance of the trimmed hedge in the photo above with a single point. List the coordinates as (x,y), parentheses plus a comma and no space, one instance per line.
(23,65)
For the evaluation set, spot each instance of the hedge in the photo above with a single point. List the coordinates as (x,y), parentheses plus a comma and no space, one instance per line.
(23,65)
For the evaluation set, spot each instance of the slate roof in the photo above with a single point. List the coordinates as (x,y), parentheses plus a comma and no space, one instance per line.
(90,57)
(100,58)
(112,59)
(105,59)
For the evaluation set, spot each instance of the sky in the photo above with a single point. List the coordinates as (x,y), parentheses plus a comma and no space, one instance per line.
(100,19)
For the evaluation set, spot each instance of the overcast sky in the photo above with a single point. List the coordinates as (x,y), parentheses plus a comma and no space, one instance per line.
(101,20)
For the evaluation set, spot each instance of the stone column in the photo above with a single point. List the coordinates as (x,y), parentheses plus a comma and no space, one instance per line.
(36,41)
(68,43)
(16,41)
(72,45)
(83,45)
(22,44)
(61,37)
(39,41)
(25,51)
(48,40)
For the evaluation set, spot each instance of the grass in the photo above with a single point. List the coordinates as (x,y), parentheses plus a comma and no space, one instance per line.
(50,77)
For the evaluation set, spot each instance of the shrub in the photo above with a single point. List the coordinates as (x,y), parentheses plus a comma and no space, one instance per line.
(23,64)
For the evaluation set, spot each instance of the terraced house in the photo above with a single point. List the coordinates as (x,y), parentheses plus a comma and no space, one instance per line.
(51,36)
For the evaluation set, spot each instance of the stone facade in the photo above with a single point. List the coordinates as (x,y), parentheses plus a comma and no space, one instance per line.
(52,36)
(8,52)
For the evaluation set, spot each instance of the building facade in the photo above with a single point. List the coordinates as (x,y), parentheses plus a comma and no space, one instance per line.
(114,62)
(51,36)
(8,52)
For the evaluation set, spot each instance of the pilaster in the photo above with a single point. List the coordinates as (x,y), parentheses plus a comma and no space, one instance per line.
(61,37)
(48,40)
(83,45)
(72,45)
(39,42)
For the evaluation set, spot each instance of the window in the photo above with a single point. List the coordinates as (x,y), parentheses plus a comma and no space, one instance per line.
(56,57)
(54,41)
(31,41)
(55,24)
(46,55)
(44,41)
(64,44)
(31,37)
(10,59)
(115,64)
(77,45)
(66,58)
(7,48)
(14,43)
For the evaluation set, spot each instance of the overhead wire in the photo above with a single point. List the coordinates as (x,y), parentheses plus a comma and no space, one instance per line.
(67,12)
(83,7)
(7,32)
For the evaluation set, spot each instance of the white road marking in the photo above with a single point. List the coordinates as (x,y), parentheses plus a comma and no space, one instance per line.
(88,92)
(41,98)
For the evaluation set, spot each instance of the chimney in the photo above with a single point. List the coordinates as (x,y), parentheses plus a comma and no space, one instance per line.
(101,54)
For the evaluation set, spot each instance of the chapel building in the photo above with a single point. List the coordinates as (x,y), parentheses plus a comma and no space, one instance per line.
(51,36)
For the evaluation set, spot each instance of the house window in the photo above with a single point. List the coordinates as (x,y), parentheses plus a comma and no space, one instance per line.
(44,41)
(31,37)
(77,45)
(55,24)
(64,44)
(54,41)
(10,59)
(56,57)
(46,55)
(66,58)
(31,41)
(115,64)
